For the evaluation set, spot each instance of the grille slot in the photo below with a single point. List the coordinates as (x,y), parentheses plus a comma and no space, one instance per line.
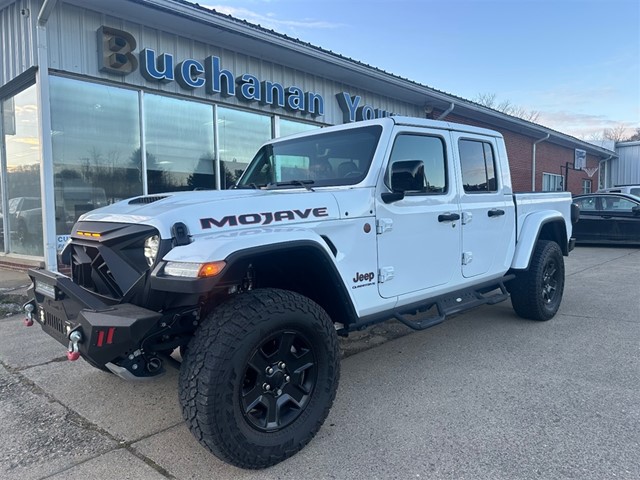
(53,322)
(148,199)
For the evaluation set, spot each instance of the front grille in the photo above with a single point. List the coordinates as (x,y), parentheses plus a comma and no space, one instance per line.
(111,264)
(53,322)
(90,270)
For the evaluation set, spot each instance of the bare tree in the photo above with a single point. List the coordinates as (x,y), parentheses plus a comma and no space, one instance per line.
(490,100)
(617,134)
(635,137)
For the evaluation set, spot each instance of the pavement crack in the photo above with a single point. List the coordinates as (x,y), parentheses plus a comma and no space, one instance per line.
(53,360)
(162,471)
(76,419)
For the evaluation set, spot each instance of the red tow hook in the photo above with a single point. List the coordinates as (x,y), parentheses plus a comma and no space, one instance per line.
(74,338)
(28,311)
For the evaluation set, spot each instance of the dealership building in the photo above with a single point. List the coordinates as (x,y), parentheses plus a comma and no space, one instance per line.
(105,100)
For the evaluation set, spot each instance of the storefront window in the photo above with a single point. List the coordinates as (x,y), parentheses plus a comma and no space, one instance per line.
(240,136)
(179,143)
(96,147)
(289,127)
(22,147)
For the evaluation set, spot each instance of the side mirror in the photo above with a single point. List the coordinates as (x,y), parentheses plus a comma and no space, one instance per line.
(406,176)
(575,213)
(390,197)
(636,210)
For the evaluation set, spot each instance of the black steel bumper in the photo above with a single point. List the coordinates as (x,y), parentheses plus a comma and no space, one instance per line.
(107,332)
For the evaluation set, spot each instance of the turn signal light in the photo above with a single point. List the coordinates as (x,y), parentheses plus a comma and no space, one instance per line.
(211,269)
(88,234)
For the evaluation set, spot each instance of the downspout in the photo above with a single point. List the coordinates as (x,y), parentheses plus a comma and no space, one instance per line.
(45,11)
(47,184)
(533,162)
(606,167)
(446,112)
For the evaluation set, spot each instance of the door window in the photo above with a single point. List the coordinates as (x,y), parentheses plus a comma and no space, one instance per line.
(478,166)
(425,159)
(615,204)
(586,203)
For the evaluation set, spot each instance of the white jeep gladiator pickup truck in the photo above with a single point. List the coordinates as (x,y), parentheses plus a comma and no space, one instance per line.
(326,232)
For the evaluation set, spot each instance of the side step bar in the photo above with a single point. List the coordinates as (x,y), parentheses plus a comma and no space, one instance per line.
(427,314)
(449,305)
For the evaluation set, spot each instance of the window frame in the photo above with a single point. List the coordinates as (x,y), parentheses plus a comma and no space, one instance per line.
(556,176)
(483,142)
(445,159)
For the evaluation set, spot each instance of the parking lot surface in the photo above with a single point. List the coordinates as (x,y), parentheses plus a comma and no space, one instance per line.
(483,395)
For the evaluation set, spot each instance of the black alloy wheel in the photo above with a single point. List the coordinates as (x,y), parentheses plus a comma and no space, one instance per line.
(279,381)
(549,282)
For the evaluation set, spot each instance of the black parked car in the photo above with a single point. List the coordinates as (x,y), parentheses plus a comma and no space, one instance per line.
(612,218)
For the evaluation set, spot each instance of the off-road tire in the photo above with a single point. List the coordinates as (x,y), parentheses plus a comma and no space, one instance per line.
(218,370)
(536,293)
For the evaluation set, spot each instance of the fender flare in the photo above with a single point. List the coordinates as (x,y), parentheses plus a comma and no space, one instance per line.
(530,233)
(238,263)
(238,248)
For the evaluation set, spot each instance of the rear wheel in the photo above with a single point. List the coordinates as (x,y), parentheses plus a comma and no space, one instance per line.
(260,376)
(536,294)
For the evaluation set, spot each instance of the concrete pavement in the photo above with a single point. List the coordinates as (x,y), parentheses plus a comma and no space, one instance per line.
(484,395)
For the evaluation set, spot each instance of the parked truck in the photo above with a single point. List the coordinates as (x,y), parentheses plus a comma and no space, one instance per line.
(325,233)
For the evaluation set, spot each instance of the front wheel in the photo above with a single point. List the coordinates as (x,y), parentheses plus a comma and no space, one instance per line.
(260,376)
(536,293)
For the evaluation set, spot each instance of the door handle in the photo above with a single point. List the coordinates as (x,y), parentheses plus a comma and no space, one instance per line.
(496,212)
(606,216)
(448,217)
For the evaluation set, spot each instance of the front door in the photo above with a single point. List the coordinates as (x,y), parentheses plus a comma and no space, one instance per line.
(418,236)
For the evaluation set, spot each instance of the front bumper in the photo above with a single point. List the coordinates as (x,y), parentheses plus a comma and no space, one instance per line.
(108,333)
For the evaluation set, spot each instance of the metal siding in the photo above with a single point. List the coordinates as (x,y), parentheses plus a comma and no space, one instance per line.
(17,39)
(73,49)
(626,170)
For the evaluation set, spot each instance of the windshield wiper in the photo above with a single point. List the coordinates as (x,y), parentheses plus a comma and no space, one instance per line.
(297,183)
(246,185)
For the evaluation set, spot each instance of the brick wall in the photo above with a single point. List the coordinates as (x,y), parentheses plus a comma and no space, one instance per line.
(550,158)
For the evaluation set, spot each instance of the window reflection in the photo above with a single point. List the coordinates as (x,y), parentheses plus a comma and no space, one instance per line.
(22,147)
(477,163)
(179,143)
(240,136)
(289,127)
(420,148)
(96,147)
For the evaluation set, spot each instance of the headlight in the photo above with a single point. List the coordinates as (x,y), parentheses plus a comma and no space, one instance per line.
(193,270)
(151,246)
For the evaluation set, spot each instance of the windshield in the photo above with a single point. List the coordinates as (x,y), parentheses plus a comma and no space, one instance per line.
(324,159)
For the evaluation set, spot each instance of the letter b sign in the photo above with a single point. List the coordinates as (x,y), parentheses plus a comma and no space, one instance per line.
(114,51)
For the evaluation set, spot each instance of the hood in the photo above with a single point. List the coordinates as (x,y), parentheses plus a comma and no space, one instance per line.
(212,211)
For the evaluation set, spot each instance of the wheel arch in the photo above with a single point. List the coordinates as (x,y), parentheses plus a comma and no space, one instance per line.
(546,225)
(303,266)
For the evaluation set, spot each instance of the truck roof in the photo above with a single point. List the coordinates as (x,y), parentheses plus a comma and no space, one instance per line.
(399,120)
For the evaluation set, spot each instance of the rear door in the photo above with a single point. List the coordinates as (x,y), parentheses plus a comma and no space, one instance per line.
(487,207)
(622,224)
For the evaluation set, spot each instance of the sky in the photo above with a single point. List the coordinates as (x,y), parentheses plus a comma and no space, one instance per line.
(576,62)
